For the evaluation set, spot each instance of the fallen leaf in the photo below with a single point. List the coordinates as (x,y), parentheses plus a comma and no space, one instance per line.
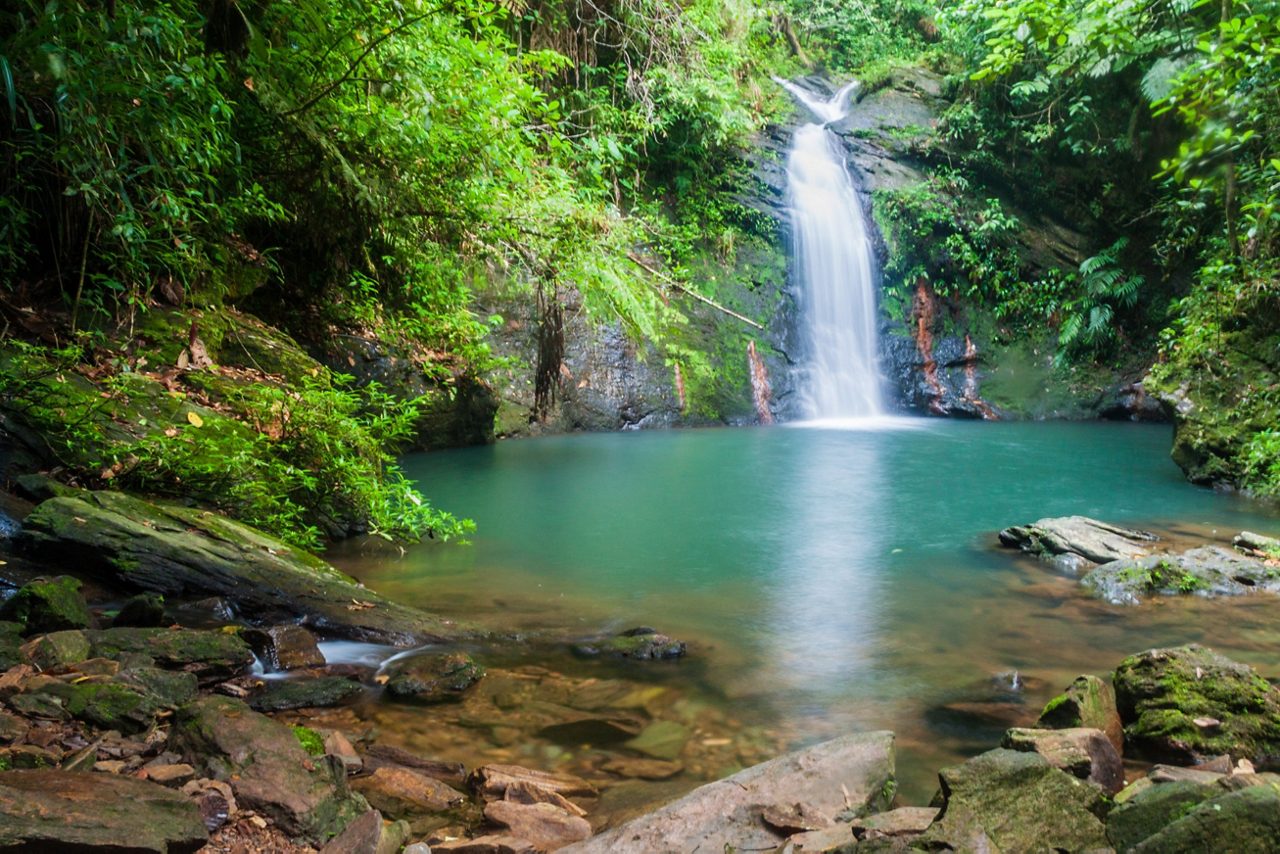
(195,419)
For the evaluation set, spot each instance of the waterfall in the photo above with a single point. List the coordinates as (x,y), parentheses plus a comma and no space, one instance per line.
(833,263)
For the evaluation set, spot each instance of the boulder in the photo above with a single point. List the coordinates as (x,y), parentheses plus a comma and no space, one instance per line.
(267,768)
(10,644)
(1247,820)
(639,644)
(185,551)
(48,606)
(378,755)
(369,834)
(48,810)
(1087,702)
(1078,536)
(146,610)
(1081,752)
(1187,704)
(211,656)
(286,647)
(546,826)
(305,693)
(853,771)
(1205,571)
(1251,542)
(1006,800)
(434,678)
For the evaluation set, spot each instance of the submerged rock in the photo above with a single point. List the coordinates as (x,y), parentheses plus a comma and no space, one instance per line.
(640,644)
(1069,540)
(47,810)
(1081,752)
(436,678)
(175,550)
(855,771)
(1087,702)
(305,693)
(1205,571)
(1005,800)
(1186,704)
(267,768)
(48,606)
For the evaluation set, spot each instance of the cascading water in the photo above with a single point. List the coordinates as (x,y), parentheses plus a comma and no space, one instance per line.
(833,262)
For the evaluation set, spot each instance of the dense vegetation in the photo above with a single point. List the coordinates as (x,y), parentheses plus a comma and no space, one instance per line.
(336,167)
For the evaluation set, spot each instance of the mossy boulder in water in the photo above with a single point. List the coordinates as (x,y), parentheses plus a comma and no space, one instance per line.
(434,678)
(1074,542)
(184,551)
(269,771)
(1189,703)
(48,606)
(1005,800)
(1205,571)
(305,693)
(1087,702)
(639,644)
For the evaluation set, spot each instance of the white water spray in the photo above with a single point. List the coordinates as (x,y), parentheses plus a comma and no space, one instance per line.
(833,261)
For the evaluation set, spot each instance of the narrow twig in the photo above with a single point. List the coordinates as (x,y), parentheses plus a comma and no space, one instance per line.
(684,289)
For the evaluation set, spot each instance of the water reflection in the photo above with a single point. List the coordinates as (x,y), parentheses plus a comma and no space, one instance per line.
(827,582)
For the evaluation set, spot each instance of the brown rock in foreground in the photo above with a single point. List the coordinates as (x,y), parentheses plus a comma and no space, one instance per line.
(50,810)
(828,777)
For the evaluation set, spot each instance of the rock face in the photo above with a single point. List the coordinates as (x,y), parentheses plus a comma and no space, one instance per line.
(827,778)
(1187,704)
(266,766)
(1081,752)
(181,551)
(436,678)
(50,810)
(1087,702)
(1204,571)
(1069,540)
(1004,800)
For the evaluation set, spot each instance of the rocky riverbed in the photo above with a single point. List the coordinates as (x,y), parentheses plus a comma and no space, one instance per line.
(165,682)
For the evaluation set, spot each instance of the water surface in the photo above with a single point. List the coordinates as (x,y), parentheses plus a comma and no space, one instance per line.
(827,579)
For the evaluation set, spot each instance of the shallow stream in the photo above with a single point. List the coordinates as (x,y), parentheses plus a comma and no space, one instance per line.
(826,579)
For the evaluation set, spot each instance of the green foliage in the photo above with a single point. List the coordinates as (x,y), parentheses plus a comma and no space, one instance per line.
(850,35)
(297,463)
(1089,316)
(310,740)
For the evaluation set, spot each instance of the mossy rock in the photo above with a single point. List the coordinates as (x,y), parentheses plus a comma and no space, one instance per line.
(185,551)
(1088,702)
(1006,800)
(1186,704)
(10,644)
(267,768)
(305,693)
(1241,822)
(434,678)
(57,649)
(211,655)
(1146,813)
(48,606)
(638,644)
(146,610)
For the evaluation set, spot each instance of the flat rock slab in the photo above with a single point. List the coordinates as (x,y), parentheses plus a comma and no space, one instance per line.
(1205,571)
(49,810)
(1079,536)
(725,815)
(184,551)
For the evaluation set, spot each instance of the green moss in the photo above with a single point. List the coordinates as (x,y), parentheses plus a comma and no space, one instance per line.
(48,606)
(311,741)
